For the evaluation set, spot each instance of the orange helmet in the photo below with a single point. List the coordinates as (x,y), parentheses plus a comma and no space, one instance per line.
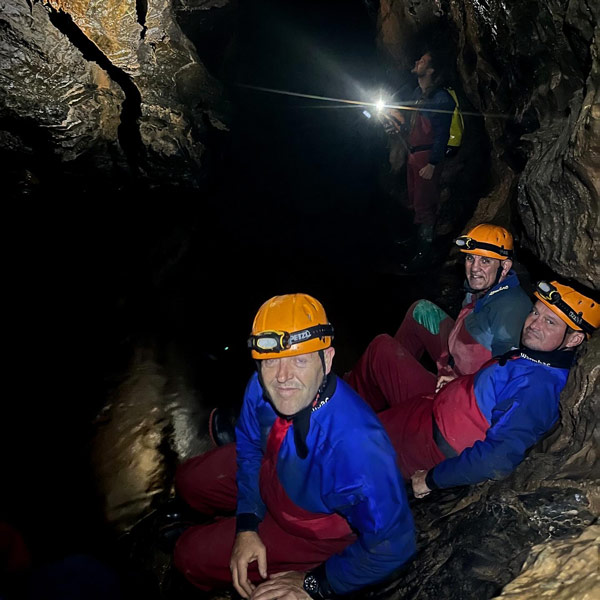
(578,311)
(289,325)
(488,240)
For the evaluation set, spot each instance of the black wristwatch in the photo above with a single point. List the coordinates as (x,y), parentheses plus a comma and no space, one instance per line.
(311,586)
(316,584)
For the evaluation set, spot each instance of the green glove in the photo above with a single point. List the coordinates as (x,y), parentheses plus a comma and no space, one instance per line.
(429,315)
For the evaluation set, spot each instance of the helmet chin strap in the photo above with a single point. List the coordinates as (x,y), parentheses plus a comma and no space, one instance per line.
(324,382)
(560,346)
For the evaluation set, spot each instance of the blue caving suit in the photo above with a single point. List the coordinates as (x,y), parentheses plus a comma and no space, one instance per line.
(350,470)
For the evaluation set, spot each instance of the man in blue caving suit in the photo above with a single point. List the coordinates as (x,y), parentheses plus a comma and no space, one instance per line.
(321,507)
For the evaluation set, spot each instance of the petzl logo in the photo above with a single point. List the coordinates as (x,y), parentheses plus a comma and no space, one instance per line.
(302,335)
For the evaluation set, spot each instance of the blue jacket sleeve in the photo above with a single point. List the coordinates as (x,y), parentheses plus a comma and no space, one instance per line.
(249,453)
(440,122)
(524,411)
(372,498)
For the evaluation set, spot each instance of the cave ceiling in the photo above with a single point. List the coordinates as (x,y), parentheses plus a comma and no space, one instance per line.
(115,80)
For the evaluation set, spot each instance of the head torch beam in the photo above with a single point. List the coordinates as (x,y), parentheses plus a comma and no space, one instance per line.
(378,105)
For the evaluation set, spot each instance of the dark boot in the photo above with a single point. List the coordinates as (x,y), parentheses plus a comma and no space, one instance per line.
(423,255)
(221,427)
(173,518)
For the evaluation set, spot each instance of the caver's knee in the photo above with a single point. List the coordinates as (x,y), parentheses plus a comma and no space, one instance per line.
(202,554)
(191,558)
(429,315)
(381,343)
(207,482)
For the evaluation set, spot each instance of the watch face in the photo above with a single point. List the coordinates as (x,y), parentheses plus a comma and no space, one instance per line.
(311,585)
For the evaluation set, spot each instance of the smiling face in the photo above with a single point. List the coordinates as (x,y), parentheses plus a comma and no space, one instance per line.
(545,331)
(481,271)
(292,382)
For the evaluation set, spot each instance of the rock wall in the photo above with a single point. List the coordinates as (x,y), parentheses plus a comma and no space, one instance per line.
(153,420)
(50,95)
(533,67)
(564,569)
(115,80)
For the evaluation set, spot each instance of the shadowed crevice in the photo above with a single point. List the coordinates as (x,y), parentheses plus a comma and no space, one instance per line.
(128,131)
(141,8)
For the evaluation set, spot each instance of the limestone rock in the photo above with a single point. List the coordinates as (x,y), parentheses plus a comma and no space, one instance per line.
(561,181)
(560,570)
(51,98)
(114,79)
(152,421)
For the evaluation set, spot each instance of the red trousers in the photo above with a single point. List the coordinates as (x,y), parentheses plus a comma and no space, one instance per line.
(389,373)
(410,428)
(207,483)
(423,194)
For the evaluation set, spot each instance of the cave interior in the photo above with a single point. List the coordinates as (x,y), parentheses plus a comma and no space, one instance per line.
(152,215)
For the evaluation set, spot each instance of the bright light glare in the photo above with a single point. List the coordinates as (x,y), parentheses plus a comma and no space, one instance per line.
(380,105)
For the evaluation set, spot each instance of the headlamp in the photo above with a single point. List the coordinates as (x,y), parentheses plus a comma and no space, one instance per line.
(379,105)
(464,242)
(278,341)
(548,292)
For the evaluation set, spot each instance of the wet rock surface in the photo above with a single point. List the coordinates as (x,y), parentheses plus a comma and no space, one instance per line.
(52,99)
(116,81)
(153,420)
(473,543)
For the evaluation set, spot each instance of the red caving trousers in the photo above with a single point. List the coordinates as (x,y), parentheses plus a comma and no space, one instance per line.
(389,373)
(295,539)
(423,194)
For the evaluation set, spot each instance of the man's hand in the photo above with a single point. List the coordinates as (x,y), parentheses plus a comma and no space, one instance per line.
(392,121)
(284,586)
(443,380)
(419,486)
(427,171)
(394,113)
(247,548)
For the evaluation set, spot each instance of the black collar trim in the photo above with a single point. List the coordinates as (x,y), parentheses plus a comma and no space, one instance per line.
(301,420)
